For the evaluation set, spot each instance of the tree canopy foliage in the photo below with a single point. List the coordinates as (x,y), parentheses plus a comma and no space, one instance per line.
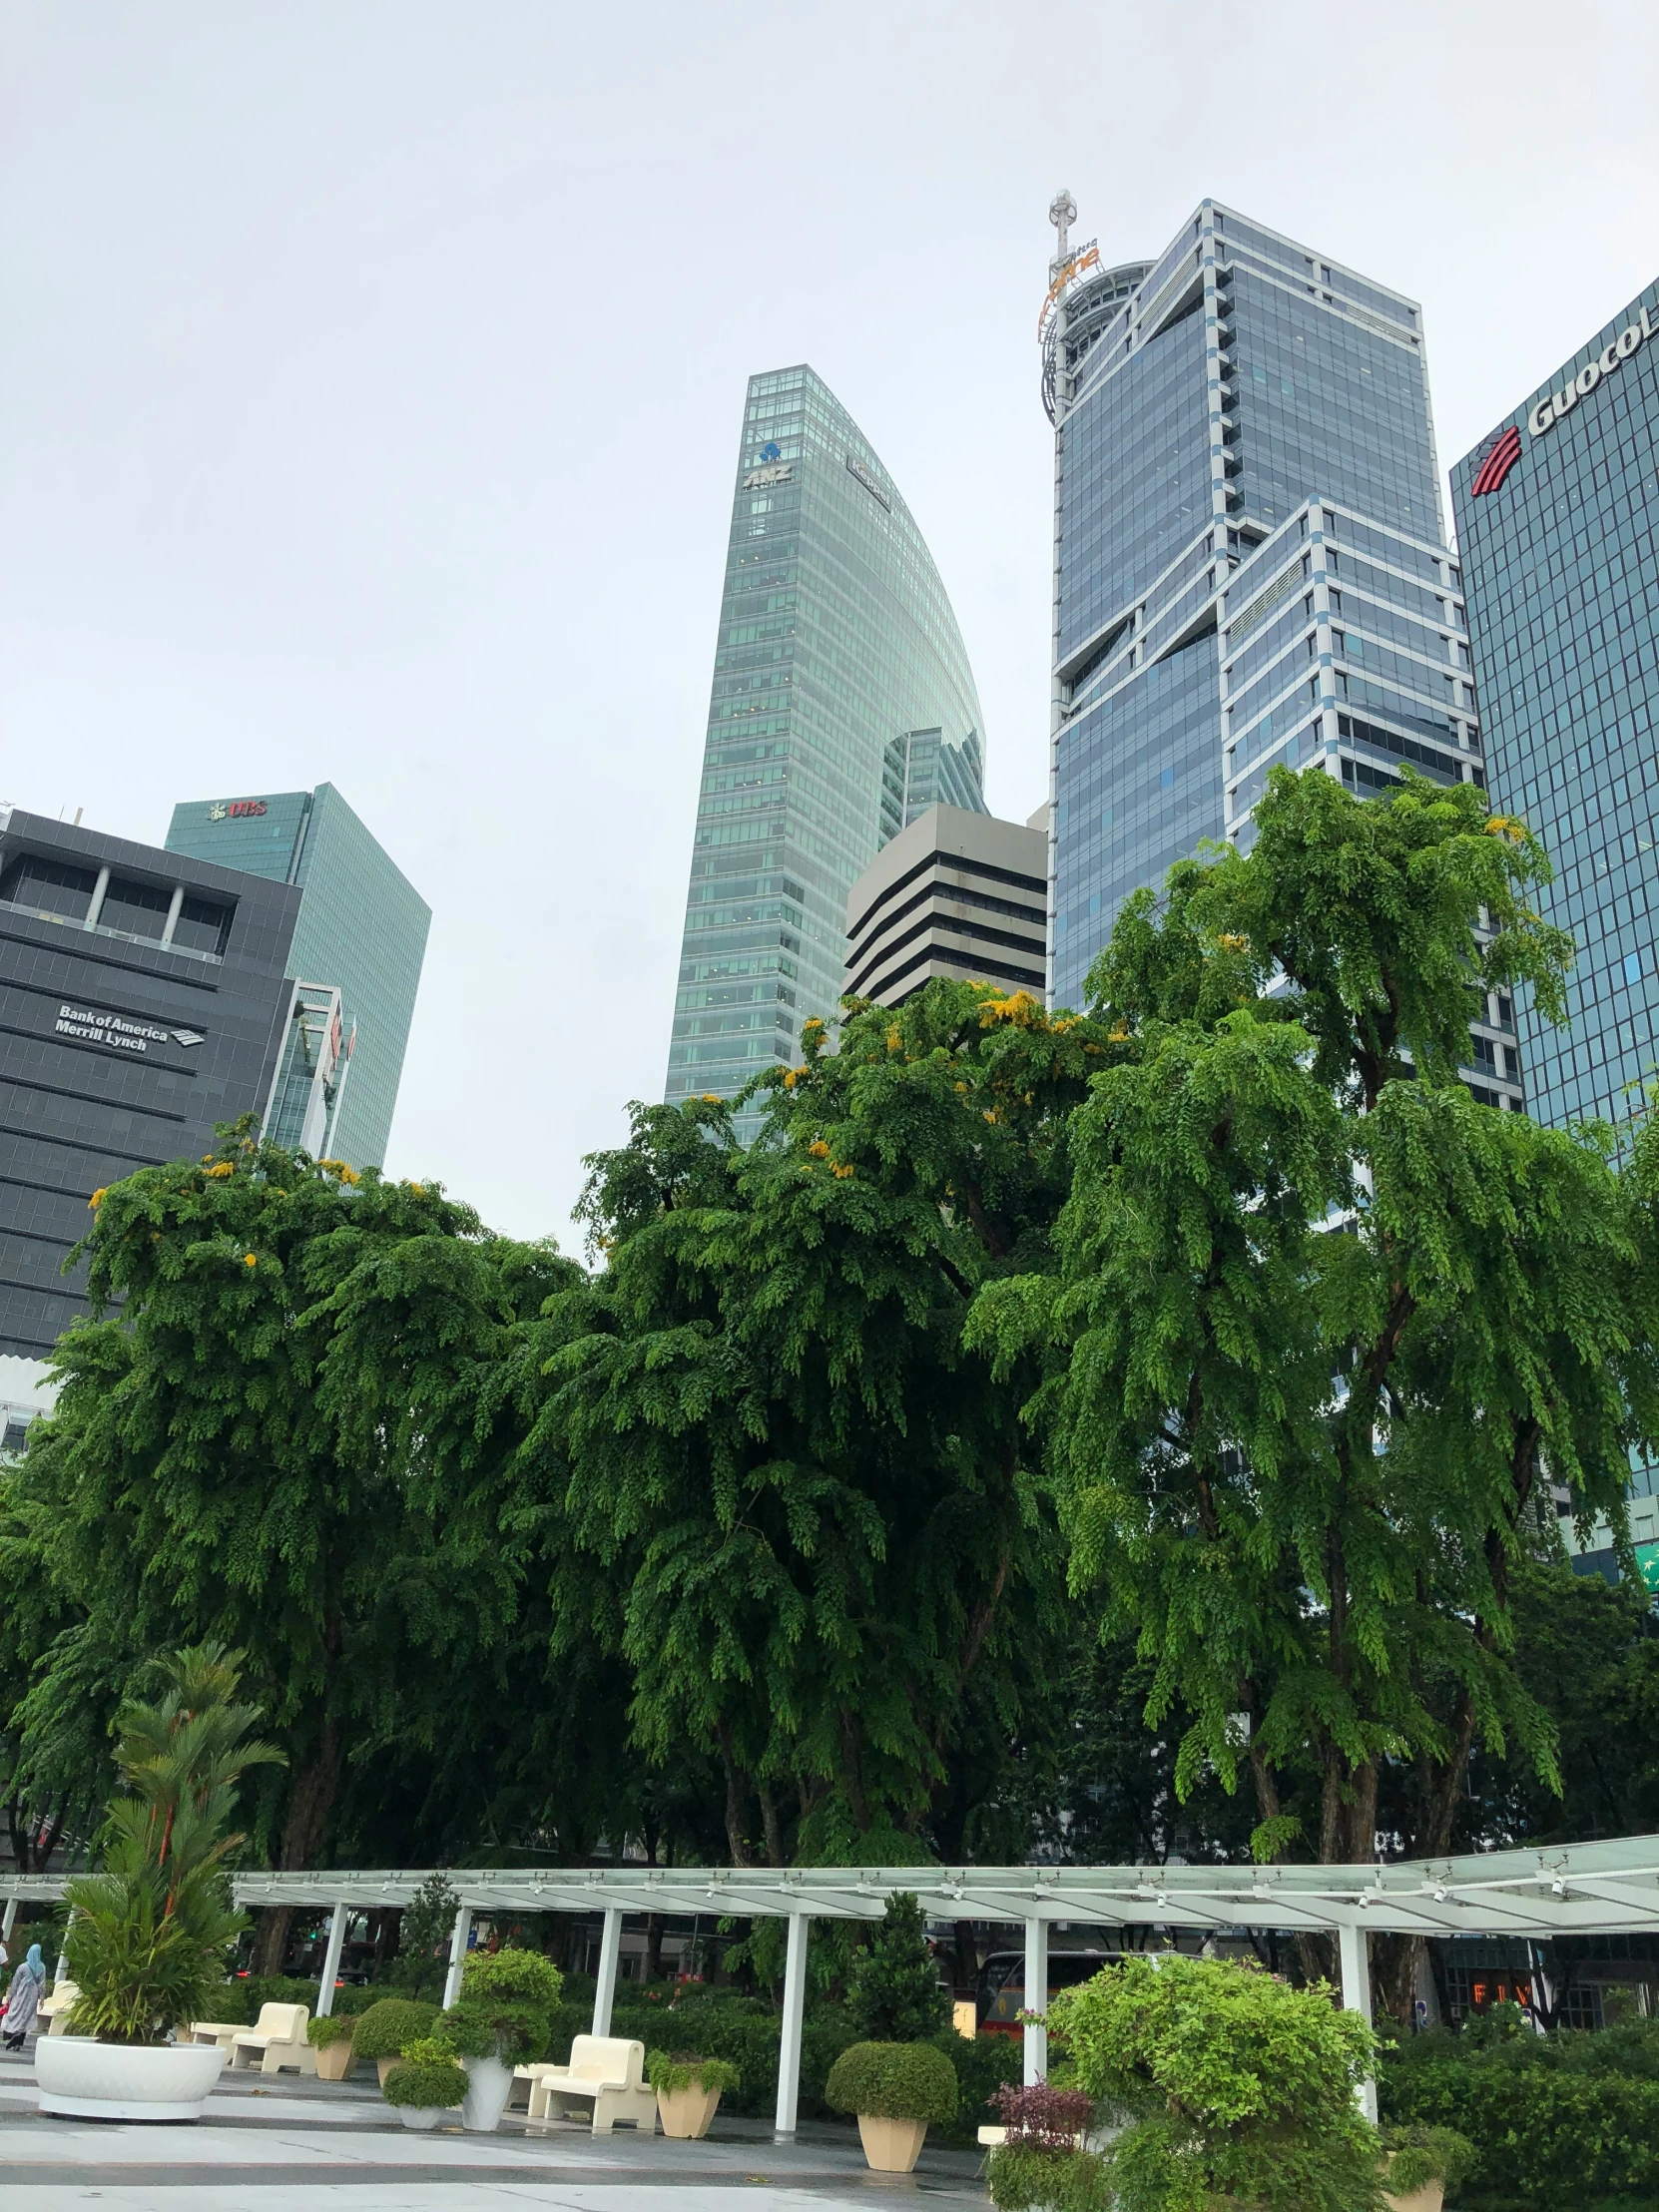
(1139,1429)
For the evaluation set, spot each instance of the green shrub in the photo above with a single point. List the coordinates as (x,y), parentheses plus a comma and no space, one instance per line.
(1239,2086)
(982,2066)
(428,2075)
(668,2071)
(424,1934)
(332,2028)
(1025,2178)
(1545,2135)
(506,2007)
(1419,2155)
(386,2026)
(893,1992)
(894,2082)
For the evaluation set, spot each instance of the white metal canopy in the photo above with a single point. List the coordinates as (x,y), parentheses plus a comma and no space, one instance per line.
(1609,1888)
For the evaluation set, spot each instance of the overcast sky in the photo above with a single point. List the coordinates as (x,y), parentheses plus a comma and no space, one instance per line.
(372,372)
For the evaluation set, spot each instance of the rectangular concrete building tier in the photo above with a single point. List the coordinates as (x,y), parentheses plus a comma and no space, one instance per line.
(957,895)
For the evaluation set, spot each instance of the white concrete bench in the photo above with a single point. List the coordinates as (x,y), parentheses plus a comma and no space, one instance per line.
(606,2075)
(277,2039)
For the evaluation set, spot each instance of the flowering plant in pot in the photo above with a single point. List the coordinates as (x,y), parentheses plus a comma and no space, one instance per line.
(502,2016)
(386,2026)
(898,2090)
(1240,2089)
(426,2083)
(1423,2163)
(1043,2160)
(149,1933)
(688,2089)
(330,2037)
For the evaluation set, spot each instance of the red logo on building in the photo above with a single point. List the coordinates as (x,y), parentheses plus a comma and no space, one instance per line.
(1501,457)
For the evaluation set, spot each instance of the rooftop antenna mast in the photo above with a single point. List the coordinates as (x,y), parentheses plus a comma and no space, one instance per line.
(1062,212)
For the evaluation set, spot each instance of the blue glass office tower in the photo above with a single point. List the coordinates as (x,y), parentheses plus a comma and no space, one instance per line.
(1250,562)
(354,967)
(843,707)
(1556,517)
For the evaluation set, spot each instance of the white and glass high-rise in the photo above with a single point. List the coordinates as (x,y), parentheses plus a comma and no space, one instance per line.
(842,704)
(1251,566)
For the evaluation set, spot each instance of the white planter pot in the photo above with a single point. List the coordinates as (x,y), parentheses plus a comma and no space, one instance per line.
(489,2084)
(423,2116)
(87,2081)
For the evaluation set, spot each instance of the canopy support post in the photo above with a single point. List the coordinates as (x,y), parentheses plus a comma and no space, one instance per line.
(1354,1945)
(330,1962)
(603,1989)
(788,2048)
(458,1955)
(1035,2039)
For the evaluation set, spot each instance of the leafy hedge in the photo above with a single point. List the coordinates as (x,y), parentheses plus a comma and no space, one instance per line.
(1546,2133)
(745,2034)
(241,1998)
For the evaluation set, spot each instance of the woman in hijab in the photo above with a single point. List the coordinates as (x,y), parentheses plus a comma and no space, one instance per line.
(23,2000)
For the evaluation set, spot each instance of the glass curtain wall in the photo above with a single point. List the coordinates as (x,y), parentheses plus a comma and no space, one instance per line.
(1242,378)
(836,642)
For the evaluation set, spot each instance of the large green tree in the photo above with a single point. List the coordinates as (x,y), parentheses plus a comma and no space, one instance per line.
(815,1506)
(295,1436)
(1330,1328)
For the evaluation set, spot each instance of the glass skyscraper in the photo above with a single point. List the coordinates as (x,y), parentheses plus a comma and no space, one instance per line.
(843,706)
(1557,512)
(1250,562)
(354,965)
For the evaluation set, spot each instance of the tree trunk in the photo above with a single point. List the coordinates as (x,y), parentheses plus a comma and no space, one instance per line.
(653,1947)
(737,1842)
(310,1800)
(771,1825)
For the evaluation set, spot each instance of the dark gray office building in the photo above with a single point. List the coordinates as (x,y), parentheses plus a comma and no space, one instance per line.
(141,1002)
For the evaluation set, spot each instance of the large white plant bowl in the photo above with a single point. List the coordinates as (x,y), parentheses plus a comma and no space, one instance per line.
(86,2080)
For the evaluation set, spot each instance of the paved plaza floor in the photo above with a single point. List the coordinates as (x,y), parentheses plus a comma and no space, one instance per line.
(291,2145)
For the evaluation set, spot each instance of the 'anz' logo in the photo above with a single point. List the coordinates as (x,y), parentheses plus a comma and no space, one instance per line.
(1501,456)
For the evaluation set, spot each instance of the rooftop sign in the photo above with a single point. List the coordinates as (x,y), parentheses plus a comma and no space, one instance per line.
(1555,404)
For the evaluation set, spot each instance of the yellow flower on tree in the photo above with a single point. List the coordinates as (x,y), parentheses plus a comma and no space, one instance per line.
(98,1197)
(250,1261)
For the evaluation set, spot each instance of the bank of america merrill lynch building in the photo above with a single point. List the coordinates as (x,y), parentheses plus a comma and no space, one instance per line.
(1251,566)
(843,706)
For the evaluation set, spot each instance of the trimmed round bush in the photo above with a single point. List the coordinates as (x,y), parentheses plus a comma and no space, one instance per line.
(506,2006)
(332,2028)
(386,2027)
(894,2082)
(668,2071)
(429,2075)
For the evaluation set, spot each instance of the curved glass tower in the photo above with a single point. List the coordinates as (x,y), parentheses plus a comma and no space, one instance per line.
(843,706)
